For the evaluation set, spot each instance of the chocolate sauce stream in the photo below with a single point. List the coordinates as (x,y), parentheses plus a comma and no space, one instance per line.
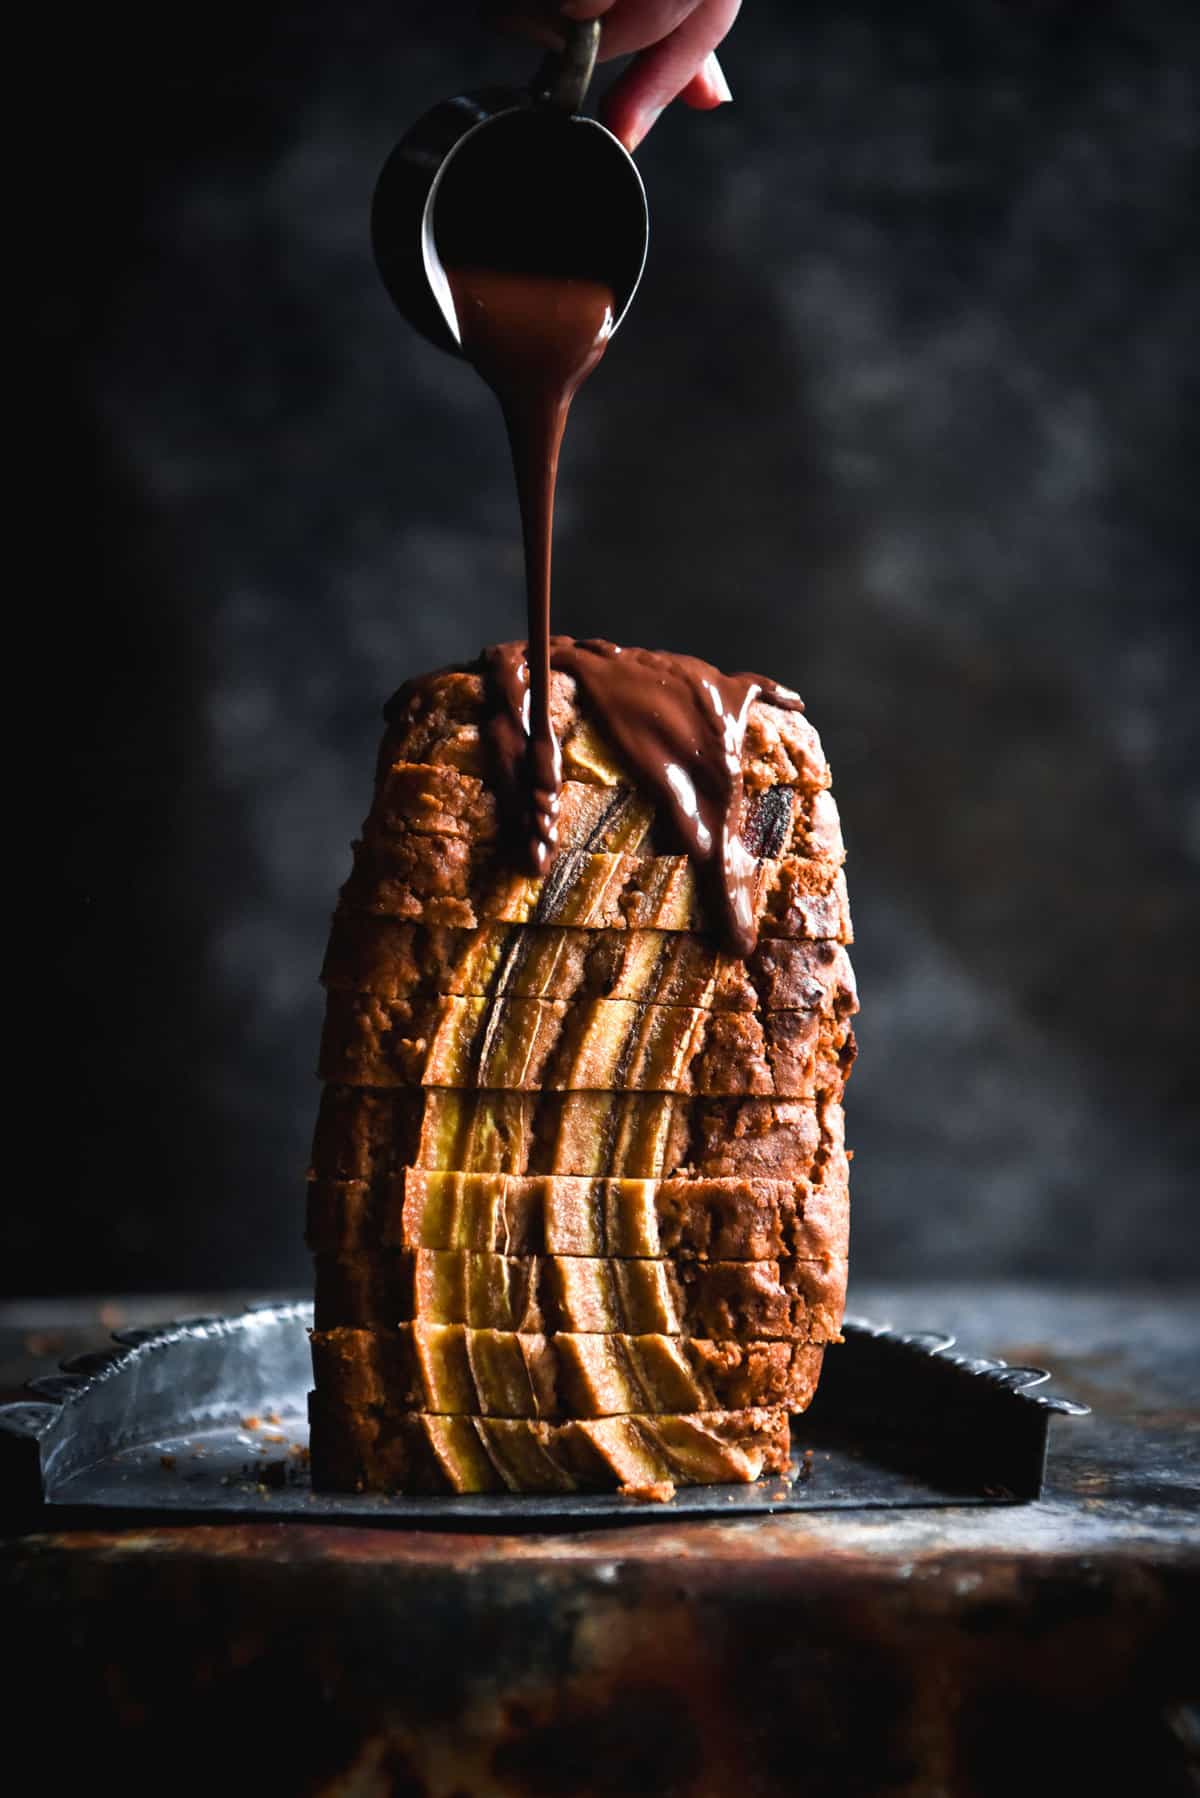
(535,339)
(679,722)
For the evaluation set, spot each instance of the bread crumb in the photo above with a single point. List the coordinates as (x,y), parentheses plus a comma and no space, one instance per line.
(250,1423)
(167,1461)
(650,1492)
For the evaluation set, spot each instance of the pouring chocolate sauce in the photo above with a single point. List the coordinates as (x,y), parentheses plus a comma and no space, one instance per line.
(678,721)
(535,339)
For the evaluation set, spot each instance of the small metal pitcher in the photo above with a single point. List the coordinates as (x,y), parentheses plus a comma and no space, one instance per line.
(510,178)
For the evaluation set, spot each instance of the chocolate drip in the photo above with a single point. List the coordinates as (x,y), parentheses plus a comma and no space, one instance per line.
(535,339)
(681,725)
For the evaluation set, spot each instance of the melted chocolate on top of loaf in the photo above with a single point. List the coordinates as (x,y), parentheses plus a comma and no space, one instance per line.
(679,723)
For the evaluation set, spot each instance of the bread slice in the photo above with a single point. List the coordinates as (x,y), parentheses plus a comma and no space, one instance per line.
(776,1299)
(373,1451)
(434,801)
(414,962)
(605,1045)
(718,1220)
(441,718)
(363,1134)
(447,1369)
(443,880)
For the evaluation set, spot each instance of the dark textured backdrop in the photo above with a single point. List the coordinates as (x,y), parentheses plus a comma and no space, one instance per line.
(905,414)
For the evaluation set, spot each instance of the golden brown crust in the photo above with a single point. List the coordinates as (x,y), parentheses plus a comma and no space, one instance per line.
(716,1219)
(370,1451)
(364,1134)
(800,1300)
(447,1369)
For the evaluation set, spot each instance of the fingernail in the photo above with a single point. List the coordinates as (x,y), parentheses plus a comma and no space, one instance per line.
(645,122)
(714,74)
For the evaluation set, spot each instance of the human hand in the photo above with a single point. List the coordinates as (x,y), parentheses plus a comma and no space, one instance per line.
(674,41)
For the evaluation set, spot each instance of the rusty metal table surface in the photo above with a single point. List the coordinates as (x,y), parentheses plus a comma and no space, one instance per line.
(1047,1647)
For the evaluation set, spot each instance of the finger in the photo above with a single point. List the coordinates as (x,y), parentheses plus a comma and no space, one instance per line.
(629,25)
(708,87)
(632,25)
(656,77)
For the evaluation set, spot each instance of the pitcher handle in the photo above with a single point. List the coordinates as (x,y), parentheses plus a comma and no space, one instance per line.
(564,77)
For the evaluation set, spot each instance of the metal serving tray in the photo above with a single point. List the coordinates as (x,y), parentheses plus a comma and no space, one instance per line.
(205,1419)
